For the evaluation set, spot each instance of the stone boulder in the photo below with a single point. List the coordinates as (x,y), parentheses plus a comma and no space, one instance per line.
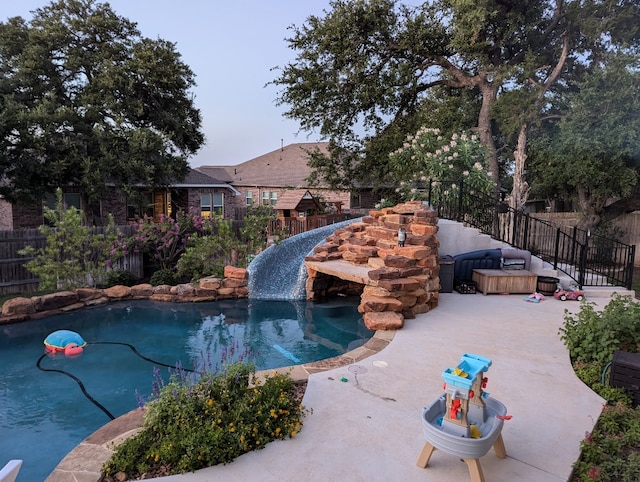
(118,292)
(379,303)
(55,301)
(143,290)
(235,273)
(183,290)
(386,320)
(210,283)
(18,306)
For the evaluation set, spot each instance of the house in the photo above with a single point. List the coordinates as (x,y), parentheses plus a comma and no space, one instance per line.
(284,172)
(198,192)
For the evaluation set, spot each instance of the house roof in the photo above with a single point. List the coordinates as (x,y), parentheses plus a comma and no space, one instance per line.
(292,198)
(284,167)
(195,178)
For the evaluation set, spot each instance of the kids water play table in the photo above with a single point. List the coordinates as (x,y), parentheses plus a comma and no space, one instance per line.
(505,281)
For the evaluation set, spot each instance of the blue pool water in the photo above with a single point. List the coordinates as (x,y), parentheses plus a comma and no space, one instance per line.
(44,415)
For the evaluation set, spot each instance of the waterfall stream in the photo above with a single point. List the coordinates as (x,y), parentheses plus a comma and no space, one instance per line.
(278,273)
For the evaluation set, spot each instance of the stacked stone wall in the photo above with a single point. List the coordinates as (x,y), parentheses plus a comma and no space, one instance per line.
(403,280)
(233,285)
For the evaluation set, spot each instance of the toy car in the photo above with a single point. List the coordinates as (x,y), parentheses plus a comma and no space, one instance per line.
(564,295)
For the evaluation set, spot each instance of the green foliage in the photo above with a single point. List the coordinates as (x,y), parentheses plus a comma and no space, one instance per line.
(164,240)
(253,234)
(117,277)
(611,451)
(592,375)
(74,256)
(163,277)
(200,421)
(88,101)
(428,155)
(208,255)
(591,155)
(368,73)
(593,336)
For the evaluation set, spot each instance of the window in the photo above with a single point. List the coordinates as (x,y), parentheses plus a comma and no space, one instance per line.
(69,199)
(249,198)
(218,203)
(140,204)
(205,205)
(355,200)
(269,198)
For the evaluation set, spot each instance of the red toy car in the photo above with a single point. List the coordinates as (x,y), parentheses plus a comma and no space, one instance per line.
(565,295)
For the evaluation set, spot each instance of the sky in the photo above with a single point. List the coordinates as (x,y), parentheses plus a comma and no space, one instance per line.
(231,46)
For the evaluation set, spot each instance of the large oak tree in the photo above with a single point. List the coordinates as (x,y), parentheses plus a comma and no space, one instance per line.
(85,100)
(370,71)
(365,74)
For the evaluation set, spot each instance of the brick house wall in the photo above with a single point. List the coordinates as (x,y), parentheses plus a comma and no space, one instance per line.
(27,216)
(114,203)
(230,200)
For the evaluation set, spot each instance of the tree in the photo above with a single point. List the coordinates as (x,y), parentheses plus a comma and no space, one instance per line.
(74,255)
(370,66)
(367,74)
(593,153)
(86,101)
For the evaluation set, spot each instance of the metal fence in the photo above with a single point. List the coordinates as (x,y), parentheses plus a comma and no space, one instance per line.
(588,258)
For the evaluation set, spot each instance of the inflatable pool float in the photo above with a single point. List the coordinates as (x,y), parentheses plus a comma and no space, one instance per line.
(64,341)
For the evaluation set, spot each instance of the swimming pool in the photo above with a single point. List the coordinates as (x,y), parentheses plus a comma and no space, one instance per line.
(44,415)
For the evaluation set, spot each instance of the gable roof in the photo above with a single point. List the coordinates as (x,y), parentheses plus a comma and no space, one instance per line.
(293,198)
(195,178)
(284,167)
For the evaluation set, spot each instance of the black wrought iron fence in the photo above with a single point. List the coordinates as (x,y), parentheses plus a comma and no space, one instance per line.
(589,259)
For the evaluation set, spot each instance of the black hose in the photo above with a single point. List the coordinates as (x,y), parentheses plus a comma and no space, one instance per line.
(134,350)
(81,385)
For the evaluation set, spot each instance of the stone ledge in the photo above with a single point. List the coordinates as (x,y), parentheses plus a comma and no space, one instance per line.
(21,309)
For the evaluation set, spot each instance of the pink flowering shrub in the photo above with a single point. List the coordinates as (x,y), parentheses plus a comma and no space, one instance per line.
(165,240)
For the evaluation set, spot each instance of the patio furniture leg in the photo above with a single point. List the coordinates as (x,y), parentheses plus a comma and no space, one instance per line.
(425,455)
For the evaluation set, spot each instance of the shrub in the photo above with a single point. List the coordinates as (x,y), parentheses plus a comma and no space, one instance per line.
(74,256)
(163,277)
(596,377)
(611,451)
(164,240)
(428,155)
(200,421)
(119,277)
(208,255)
(593,336)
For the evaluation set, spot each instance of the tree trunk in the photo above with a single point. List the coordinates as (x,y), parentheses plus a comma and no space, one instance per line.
(520,191)
(590,210)
(489,94)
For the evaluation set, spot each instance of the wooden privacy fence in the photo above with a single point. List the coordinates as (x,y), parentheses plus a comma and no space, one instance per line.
(293,226)
(15,278)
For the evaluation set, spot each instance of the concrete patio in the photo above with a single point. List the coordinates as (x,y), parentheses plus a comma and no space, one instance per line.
(369,427)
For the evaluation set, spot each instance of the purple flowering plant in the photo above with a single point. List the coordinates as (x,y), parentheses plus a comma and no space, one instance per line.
(164,240)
